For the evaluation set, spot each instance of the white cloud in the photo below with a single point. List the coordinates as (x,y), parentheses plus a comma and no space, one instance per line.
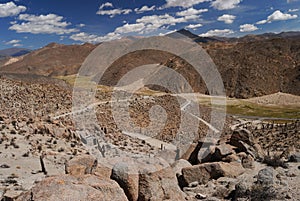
(81,25)
(225,4)
(191,11)
(91,38)
(42,24)
(166,33)
(155,22)
(10,9)
(248,28)
(193,26)
(277,16)
(143,25)
(228,19)
(17,45)
(262,22)
(217,32)
(12,42)
(182,3)
(144,9)
(112,12)
(129,28)
(105,5)
(293,10)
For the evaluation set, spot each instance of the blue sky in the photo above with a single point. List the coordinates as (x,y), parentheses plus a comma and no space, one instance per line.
(35,23)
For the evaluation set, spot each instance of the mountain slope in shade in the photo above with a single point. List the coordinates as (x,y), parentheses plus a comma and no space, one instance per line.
(51,60)
(14,52)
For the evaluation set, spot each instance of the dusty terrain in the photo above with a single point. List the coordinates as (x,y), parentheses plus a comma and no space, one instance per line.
(44,157)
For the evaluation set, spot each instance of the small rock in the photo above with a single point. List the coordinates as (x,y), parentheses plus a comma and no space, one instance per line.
(200,196)
(248,162)
(294,158)
(4,166)
(194,184)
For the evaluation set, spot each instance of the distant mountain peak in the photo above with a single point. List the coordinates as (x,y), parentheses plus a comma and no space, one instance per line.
(187,33)
(54,45)
(14,52)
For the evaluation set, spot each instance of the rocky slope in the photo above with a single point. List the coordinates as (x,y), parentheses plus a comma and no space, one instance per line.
(43,157)
(250,66)
(51,60)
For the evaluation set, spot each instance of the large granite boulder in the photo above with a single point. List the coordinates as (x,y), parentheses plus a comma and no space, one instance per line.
(67,187)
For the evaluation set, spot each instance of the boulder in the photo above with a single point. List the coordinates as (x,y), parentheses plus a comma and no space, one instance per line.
(241,135)
(81,165)
(265,176)
(11,195)
(216,153)
(102,171)
(194,152)
(67,187)
(177,168)
(129,182)
(207,171)
(179,165)
(160,185)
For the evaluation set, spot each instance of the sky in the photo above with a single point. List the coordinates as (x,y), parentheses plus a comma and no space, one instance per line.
(35,23)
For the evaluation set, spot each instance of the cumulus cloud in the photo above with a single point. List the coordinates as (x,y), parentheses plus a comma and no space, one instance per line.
(129,28)
(228,19)
(277,16)
(225,4)
(191,11)
(144,9)
(155,22)
(42,24)
(248,28)
(91,38)
(10,9)
(143,25)
(193,26)
(217,32)
(112,12)
(182,3)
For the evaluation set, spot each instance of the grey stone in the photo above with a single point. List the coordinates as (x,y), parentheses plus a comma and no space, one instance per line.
(265,176)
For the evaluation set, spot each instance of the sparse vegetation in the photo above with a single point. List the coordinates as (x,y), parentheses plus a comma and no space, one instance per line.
(262,192)
(274,160)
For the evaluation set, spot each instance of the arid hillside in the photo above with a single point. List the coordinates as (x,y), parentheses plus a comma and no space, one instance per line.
(51,60)
(250,66)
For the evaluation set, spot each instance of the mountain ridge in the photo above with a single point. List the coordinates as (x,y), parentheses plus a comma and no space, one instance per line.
(250,66)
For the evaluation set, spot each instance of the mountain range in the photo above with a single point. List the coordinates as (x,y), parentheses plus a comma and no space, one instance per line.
(14,52)
(250,66)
